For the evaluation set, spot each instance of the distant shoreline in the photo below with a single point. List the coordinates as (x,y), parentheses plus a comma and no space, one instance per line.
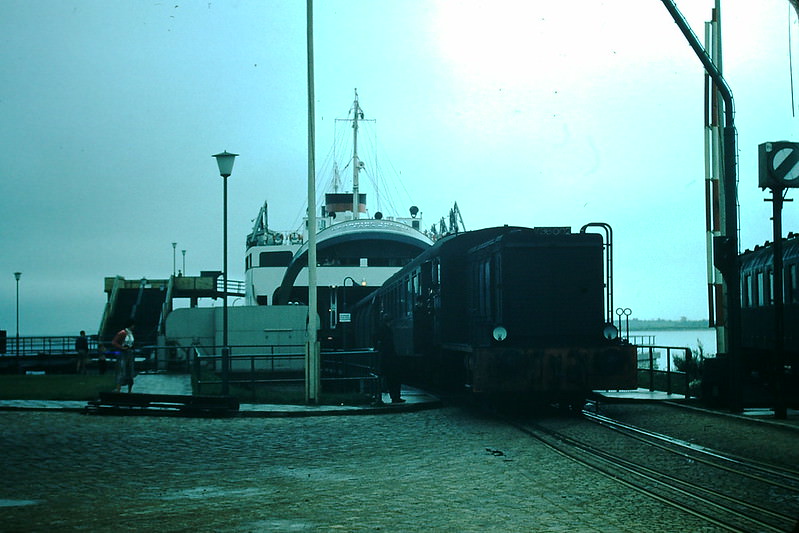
(663,324)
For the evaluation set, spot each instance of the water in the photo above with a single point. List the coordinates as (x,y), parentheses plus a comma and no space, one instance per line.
(684,338)
(687,338)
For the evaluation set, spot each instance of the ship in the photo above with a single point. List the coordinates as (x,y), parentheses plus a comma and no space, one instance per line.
(357,250)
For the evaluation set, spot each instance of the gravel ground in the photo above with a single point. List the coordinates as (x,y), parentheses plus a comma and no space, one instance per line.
(753,438)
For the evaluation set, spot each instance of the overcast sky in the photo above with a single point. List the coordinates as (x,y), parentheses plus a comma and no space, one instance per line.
(525,113)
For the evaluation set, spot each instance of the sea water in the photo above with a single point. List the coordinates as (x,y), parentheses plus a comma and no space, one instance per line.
(700,341)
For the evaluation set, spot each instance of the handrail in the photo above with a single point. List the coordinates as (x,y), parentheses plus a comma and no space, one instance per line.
(272,365)
(109,306)
(47,345)
(234,288)
(166,308)
(650,350)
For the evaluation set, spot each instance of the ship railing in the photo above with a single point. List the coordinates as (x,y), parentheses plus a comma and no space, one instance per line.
(234,287)
(275,374)
(670,380)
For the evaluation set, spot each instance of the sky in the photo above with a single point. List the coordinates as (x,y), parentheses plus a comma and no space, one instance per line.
(524,113)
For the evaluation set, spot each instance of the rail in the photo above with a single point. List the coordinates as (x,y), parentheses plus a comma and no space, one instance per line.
(252,370)
(663,380)
(44,345)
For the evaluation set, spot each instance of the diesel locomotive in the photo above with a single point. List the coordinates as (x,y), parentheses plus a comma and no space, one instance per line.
(508,312)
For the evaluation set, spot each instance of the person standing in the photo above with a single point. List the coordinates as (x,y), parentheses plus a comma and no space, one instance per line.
(82,348)
(123,347)
(389,359)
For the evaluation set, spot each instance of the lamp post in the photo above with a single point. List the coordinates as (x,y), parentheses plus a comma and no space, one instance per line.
(17,275)
(174,245)
(184,261)
(225,161)
(626,312)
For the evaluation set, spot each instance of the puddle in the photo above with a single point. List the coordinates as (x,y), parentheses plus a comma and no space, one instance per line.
(17,503)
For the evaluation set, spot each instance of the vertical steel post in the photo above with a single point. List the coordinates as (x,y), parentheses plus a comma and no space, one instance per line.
(225,348)
(726,246)
(778,363)
(312,360)
(17,275)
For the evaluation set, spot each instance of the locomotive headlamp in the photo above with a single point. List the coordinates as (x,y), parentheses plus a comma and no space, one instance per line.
(500,334)
(610,332)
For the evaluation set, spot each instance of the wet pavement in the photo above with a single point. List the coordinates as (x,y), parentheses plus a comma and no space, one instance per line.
(442,469)
(447,469)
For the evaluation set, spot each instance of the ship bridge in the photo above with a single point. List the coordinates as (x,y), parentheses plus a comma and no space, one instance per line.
(371,249)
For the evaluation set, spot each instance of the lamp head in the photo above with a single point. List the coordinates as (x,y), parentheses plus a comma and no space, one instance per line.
(225,162)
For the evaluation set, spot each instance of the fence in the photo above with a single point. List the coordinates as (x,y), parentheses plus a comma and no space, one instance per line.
(277,373)
(669,381)
(44,345)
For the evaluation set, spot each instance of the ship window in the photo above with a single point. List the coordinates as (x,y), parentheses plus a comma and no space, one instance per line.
(274,259)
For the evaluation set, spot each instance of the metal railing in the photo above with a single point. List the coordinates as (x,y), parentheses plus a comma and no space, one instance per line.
(44,345)
(234,287)
(663,380)
(254,369)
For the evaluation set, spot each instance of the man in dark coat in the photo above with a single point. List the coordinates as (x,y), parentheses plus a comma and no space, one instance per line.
(390,360)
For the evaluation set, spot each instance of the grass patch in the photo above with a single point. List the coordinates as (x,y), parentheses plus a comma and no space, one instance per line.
(54,387)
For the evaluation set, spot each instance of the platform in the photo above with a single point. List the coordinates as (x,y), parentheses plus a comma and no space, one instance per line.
(639,395)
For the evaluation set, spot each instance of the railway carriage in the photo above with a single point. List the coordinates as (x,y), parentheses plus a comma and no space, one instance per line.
(505,311)
(758,331)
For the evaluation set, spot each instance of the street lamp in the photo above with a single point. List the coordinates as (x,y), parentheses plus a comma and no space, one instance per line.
(17,275)
(225,161)
(184,261)
(174,245)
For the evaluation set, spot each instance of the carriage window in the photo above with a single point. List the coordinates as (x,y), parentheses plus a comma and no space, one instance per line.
(747,292)
(791,283)
(485,289)
(770,288)
(496,289)
(761,289)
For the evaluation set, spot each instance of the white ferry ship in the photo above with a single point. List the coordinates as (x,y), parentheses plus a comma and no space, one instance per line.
(356,252)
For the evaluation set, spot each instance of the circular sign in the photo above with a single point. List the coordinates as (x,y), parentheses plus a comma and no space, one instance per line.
(500,333)
(785,165)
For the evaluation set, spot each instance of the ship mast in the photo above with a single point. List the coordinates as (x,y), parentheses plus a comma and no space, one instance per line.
(356,163)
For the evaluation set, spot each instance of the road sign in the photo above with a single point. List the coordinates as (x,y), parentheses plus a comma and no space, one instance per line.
(779,164)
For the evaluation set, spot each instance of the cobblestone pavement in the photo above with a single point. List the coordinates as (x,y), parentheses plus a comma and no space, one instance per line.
(439,470)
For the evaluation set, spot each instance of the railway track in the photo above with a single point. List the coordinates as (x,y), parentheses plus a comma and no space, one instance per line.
(729,492)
